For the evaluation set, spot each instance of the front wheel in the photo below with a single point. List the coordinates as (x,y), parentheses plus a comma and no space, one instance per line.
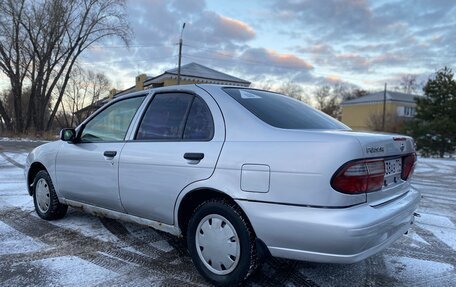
(47,205)
(221,243)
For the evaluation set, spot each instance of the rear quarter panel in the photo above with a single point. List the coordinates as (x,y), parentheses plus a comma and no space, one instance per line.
(300,171)
(301,162)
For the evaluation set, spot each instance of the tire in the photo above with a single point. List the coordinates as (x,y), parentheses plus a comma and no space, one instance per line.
(47,204)
(237,232)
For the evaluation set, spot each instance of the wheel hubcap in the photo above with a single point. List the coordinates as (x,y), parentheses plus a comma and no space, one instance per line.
(43,198)
(217,244)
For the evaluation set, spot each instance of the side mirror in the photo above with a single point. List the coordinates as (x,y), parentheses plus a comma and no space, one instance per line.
(68,135)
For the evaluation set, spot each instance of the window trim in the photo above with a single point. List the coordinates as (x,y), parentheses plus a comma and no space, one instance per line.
(81,127)
(181,139)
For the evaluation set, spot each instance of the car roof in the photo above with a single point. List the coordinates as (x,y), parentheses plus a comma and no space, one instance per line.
(189,87)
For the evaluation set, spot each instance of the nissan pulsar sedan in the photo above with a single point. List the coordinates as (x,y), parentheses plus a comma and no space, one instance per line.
(239,173)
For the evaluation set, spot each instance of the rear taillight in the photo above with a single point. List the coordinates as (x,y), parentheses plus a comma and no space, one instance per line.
(360,176)
(408,165)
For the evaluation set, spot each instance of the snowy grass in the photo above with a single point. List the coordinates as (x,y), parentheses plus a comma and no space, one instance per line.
(26,139)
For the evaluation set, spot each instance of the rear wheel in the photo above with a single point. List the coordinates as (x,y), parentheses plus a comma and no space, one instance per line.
(221,243)
(47,205)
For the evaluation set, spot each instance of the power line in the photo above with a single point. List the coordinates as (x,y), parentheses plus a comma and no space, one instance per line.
(127,60)
(128,46)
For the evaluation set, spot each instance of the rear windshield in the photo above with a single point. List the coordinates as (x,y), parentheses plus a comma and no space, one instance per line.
(283,112)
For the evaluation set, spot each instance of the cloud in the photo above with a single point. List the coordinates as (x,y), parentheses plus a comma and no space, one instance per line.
(334,79)
(267,62)
(358,39)
(361,35)
(275,59)
(157,25)
(255,64)
(359,58)
(328,18)
(316,49)
(211,28)
(339,20)
(188,6)
(235,28)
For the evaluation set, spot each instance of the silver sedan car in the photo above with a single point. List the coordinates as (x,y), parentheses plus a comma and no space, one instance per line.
(239,173)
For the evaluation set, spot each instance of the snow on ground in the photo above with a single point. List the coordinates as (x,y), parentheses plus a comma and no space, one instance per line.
(18,157)
(67,271)
(416,238)
(84,250)
(444,165)
(13,241)
(85,224)
(410,271)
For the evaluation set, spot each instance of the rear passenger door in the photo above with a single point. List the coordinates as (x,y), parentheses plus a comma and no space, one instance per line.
(177,142)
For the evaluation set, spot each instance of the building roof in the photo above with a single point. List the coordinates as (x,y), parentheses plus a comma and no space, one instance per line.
(377,97)
(198,72)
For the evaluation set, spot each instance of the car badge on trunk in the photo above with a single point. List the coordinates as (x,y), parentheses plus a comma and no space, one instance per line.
(375,149)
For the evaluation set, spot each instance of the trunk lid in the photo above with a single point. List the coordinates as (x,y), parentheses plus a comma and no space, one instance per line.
(392,148)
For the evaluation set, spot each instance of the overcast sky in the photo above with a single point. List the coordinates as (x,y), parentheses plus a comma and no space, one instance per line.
(308,42)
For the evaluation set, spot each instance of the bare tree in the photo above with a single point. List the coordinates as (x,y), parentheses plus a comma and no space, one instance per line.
(14,61)
(328,101)
(262,86)
(5,117)
(293,90)
(408,84)
(290,89)
(50,37)
(345,91)
(393,123)
(7,104)
(354,94)
(84,89)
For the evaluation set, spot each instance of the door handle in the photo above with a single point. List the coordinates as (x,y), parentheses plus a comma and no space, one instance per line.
(110,153)
(194,155)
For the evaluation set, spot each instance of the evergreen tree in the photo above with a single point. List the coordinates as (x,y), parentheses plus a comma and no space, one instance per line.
(434,126)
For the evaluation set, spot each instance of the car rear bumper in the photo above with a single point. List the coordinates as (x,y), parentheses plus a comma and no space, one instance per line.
(331,235)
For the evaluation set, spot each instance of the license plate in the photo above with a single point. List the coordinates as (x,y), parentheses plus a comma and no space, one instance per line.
(393,166)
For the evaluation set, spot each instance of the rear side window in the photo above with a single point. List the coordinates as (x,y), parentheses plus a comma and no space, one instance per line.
(165,117)
(176,116)
(281,111)
(200,125)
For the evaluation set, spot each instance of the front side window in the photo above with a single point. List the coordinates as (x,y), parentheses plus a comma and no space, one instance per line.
(112,123)
(281,111)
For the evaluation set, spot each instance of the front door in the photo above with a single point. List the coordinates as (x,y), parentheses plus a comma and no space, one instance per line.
(177,142)
(87,170)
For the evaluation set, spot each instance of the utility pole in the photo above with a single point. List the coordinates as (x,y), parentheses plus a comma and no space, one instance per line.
(384,109)
(180,56)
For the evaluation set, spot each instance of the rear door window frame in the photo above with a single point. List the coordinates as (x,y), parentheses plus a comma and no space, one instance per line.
(181,139)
